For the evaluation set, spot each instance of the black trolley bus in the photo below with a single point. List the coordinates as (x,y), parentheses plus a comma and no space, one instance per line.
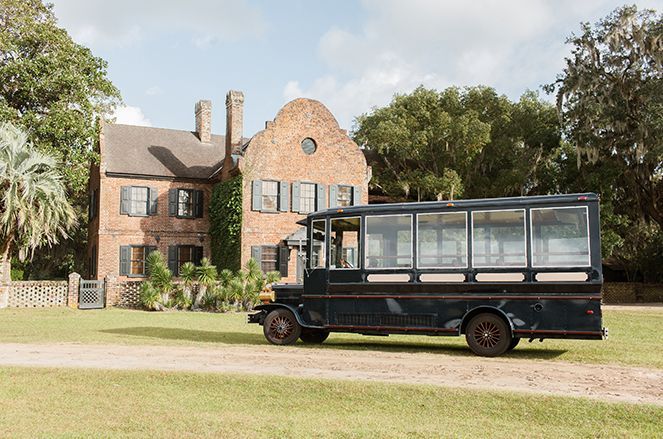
(496,270)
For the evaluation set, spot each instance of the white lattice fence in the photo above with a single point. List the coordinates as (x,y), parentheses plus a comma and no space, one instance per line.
(129,294)
(38,294)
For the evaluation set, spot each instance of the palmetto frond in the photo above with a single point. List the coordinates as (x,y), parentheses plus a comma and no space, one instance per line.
(34,207)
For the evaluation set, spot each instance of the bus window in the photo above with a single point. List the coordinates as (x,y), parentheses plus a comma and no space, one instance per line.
(389,241)
(560,237)
(498,238)
(442,240)
(318,244)
(344,243)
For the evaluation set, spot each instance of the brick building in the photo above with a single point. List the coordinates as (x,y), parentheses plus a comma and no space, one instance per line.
(152,187)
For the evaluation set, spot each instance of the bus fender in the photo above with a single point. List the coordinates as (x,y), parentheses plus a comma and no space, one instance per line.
(484,309)
(266,308)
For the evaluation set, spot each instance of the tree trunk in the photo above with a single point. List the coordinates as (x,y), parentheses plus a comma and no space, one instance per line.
(5,274)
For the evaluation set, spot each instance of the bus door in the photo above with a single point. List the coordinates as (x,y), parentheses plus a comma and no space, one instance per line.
(344,252)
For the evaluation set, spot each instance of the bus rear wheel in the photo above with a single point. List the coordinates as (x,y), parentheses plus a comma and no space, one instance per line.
(281,327)
(313,336)
(488,335)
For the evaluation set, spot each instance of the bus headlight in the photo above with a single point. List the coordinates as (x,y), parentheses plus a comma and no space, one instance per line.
(267,295)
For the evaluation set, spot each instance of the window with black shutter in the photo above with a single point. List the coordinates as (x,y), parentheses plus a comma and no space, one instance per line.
(133,260)
(179,255)
(342,195)
(270,196)
(185,203)
(138,201)
(272,258)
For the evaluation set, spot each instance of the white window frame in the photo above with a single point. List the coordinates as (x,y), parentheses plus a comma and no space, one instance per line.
(531,237)
(328,244)
(192,203)
(277,195)
(467,241)
(411,265)
(132,201)
(315,196)
(338,194)
(524,211)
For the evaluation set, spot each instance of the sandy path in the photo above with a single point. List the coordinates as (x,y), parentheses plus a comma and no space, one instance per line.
(605,382)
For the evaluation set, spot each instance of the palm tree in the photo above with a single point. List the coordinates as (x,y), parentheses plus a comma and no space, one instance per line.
(34,207)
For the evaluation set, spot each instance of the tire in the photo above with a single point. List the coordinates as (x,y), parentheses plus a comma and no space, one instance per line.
(488,335)
(313,336)
(281,327)
(513,344)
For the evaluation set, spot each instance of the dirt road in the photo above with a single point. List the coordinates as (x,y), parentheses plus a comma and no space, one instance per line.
(604,382)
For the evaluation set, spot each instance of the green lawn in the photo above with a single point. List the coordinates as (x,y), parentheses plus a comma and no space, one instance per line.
(636,337)
(84,403)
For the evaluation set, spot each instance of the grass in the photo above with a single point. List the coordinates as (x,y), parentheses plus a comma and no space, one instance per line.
(635,335)
(85,403)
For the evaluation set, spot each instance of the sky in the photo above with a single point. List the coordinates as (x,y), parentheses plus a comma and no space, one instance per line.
(164,55)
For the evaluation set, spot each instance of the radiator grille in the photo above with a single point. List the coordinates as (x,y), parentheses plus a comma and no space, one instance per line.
(400,320)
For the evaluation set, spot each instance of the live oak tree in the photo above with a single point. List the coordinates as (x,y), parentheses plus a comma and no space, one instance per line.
(55,89)
(460,143)
(610,98)
(610,101)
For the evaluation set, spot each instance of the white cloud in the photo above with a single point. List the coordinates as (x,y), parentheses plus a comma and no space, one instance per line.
(125,22)
(155,90)
(510,45)
(129,115)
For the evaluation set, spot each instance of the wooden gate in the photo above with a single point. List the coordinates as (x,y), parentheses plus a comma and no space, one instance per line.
(91,294)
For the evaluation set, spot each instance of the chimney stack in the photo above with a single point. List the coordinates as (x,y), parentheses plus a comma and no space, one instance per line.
(234,121)
(204,121)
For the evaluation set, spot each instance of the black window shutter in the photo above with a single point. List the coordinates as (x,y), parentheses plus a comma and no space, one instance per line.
(256,253)
(197,255)
(256,200)
(284,255)
(356,195)
(125,200)
(172,260)
(90,205)
(172,202)
(96,203)
(125,259)
(153,197)
(198,203)
(283,196)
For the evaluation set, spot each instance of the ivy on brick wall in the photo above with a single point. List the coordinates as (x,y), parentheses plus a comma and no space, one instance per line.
(226,223)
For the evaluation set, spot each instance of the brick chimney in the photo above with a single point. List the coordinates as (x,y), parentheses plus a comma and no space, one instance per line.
(234,121)
(204,121)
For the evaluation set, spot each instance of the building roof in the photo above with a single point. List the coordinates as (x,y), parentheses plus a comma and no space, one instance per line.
(161,152)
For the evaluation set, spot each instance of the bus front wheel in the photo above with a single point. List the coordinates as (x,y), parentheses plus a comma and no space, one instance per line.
(488,335)
(281,327)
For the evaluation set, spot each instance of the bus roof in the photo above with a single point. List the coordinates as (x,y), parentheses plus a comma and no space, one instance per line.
(476,203)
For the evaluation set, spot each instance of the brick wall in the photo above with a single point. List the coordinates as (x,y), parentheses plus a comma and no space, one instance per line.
(113,230)
(276,154)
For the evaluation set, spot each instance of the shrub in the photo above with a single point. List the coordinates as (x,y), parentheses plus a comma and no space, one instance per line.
(150,297)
